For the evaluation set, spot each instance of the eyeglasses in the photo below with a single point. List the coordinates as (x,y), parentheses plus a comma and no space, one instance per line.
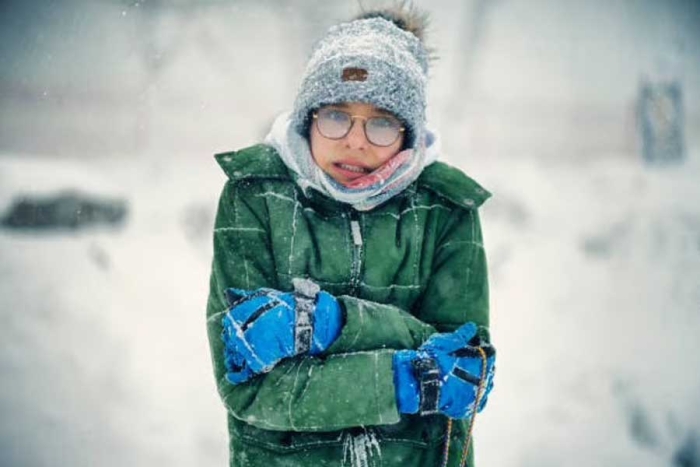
(334,123)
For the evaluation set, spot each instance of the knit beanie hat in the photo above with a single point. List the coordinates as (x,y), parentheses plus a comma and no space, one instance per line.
(371,61)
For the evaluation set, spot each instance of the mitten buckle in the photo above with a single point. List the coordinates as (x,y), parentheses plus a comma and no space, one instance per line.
(305,291)
(428,375)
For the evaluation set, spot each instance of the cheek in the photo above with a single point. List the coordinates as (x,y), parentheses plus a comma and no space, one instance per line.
(314,144)
(320,148)
(391,151)
(388,153)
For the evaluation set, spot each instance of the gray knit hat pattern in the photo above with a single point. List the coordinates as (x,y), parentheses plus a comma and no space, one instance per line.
(371,61)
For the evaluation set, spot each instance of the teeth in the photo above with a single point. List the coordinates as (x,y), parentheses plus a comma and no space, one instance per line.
(352,168)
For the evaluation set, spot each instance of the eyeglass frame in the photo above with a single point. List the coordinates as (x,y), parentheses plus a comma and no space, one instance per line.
(402,129)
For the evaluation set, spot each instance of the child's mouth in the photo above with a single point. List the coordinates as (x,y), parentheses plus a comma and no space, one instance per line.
(352,168)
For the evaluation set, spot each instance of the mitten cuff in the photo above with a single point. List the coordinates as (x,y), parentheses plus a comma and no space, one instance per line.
(405,383)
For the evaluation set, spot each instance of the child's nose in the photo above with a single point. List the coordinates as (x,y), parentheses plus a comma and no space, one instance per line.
(356,138)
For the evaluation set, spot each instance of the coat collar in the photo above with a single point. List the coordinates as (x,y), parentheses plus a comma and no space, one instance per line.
(259,161)
(262,162)
(453,184)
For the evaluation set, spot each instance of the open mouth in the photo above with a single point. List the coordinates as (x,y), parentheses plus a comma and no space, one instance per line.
(352,168)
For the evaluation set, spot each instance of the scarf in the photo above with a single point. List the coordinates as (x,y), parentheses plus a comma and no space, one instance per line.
(364,193)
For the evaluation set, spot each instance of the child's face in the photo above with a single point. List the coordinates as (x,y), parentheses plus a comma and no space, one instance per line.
(351,156)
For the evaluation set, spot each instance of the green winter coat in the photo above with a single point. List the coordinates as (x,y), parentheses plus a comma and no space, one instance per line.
(410,267)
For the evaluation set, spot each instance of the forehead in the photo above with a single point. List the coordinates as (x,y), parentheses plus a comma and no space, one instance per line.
(360,108)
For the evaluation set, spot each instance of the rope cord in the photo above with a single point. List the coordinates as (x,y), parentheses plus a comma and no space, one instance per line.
(468,436)
(446,450)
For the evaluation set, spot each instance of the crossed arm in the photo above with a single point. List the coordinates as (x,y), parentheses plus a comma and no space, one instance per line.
(354,376)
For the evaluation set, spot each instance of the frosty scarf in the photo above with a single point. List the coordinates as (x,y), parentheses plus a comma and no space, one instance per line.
(364,193)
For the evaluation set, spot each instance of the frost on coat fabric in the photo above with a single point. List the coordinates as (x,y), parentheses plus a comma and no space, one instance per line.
(360,450)
(419,268)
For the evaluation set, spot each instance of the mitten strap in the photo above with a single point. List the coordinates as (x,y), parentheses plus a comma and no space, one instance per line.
(305,291)
(428,376)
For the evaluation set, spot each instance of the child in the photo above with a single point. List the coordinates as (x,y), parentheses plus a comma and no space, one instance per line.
(346,264)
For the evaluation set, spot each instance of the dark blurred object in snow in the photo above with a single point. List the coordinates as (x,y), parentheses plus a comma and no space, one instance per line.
(641,427)
(688,454)
(660,121)
(64,210)
(607,239)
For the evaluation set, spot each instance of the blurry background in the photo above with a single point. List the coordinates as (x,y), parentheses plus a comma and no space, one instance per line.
(582,117)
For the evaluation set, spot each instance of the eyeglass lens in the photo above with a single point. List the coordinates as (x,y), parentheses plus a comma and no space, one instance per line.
(336,124)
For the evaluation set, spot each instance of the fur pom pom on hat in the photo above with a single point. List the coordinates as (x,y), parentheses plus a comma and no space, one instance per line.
(372,61)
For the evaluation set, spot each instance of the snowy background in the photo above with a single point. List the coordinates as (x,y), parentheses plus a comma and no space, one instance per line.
(594,255)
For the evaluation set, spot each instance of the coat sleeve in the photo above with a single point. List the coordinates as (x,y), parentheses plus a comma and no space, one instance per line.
(457,289)
(457,292)
(354,379)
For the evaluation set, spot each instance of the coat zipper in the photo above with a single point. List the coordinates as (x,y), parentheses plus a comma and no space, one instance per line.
(356,253)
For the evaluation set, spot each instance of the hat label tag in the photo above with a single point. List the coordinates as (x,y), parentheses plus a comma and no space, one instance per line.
(354,74)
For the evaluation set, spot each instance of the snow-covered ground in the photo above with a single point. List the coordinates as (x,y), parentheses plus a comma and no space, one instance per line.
(595,274)
(596,311)
(104,359)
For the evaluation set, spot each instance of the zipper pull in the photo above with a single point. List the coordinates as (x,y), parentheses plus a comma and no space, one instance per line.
(356,233)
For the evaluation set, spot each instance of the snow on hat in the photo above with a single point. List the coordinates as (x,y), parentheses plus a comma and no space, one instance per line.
(371,61)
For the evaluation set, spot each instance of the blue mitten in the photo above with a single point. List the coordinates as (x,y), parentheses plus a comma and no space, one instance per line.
(237,370)
(265,326)
(462,366)
(444,374)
